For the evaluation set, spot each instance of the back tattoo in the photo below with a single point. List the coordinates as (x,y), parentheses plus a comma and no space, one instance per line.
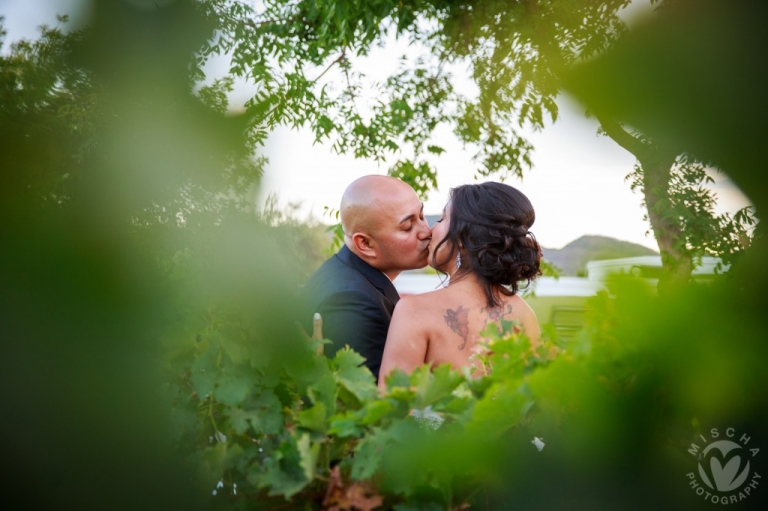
(458,320)
(496,314)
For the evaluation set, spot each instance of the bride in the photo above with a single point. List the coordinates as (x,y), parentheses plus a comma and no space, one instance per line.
(483,243)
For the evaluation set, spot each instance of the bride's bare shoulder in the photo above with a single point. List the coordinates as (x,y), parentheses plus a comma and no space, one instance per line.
(521,305)
(421,301)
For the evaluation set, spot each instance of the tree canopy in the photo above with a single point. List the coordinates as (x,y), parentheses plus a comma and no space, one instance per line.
(302,57)
(289,50)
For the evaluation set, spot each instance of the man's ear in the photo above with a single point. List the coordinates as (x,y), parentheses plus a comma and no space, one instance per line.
(363,244)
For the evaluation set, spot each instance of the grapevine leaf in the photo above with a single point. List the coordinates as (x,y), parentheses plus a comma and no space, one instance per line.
(234,455)
(353,376)
(213,462)
(282,473)
(375,410)
(263,412)
(345,425)
(368,455)
(232,390)
(313,418)
(324,391)
(308,453)
(346,360)
(402,394)
(370,450)
(242,420)
(500,409)
(269,412)
(434,385)
(398,378)
(204,372)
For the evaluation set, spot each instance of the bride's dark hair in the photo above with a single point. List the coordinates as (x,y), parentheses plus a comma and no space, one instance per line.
(490,223)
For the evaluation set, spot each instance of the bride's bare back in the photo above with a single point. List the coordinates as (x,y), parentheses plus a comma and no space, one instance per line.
(444,326)
(482,241)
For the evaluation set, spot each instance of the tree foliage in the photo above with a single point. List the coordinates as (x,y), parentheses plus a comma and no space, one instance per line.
(303,56)
(691,204)
(42,93)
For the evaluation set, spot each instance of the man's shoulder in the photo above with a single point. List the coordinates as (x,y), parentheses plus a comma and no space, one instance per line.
(336,270)
(335,276)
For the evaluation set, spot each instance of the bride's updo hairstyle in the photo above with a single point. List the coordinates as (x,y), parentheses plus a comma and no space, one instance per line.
(489,225)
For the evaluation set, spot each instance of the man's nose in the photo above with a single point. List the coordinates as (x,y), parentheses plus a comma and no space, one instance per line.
(426,232)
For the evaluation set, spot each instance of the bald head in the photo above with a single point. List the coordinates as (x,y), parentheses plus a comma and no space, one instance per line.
(367,198)
(383,221)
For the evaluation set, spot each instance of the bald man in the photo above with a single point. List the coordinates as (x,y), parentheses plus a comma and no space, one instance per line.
(384,233)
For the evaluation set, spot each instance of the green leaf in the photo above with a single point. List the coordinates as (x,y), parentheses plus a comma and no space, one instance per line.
(263,411)
(237,352)
(269,412)
(205,372)
(313,418)
(232,390)
(241,420)
(345,425)
(234,455)
(432,385)
(501,408)
(457,405)
(282,472)
(324,391)
(314,372)
(398,378)
(371,449)
(308,453)
(353,376)
(375,410)
(368,455)
(347,359)
(402,394)
(213,464)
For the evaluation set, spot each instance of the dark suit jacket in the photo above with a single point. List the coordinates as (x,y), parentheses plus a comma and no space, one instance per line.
(356,302)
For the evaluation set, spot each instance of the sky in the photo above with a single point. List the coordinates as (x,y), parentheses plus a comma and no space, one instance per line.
(577,184)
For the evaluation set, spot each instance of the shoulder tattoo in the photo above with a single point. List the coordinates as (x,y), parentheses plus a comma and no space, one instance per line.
(458,321)
(497,313)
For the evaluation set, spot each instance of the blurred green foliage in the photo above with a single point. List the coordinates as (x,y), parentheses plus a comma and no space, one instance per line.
(118,184)
(150,357)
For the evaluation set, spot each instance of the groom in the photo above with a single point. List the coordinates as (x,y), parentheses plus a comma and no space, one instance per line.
(384,233)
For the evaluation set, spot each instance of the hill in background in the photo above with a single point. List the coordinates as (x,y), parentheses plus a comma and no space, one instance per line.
(573,257)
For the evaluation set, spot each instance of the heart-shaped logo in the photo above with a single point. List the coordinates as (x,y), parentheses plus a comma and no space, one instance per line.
(724,477)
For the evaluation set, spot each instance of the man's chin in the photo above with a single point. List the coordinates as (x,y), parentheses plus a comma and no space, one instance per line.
(422,263)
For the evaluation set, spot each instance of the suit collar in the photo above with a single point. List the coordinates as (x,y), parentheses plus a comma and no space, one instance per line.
(376,277)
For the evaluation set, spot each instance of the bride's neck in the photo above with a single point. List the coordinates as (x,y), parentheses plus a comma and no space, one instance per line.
(464,278)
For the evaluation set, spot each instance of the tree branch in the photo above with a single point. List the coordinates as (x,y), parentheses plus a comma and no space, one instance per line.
(352,95)
(622,137)
(336,61)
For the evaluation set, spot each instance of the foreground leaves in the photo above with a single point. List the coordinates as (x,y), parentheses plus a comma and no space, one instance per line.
(279,436)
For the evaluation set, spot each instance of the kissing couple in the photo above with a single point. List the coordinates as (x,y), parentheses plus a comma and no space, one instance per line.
(481,242)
